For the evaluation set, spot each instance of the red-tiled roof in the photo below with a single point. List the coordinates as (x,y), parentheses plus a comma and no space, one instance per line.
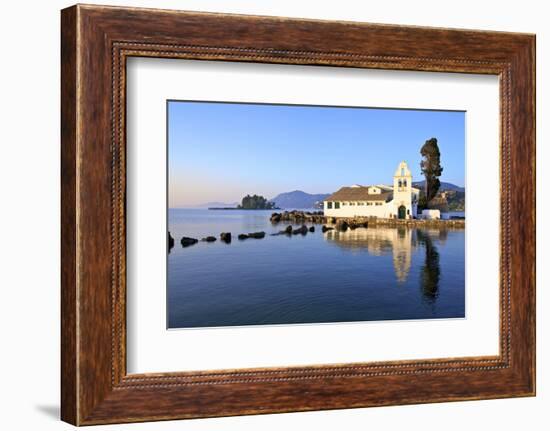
(359,194)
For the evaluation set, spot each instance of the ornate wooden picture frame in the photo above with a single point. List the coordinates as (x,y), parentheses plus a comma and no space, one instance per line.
(96,41)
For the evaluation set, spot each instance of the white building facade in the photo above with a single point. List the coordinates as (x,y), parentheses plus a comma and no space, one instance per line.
(398,201)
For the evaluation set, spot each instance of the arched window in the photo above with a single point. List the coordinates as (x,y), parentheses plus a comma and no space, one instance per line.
(404,183)
(399,184)
(402,172)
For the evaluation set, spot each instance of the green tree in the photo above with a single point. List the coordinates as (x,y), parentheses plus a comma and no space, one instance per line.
(431,168)
(256,202)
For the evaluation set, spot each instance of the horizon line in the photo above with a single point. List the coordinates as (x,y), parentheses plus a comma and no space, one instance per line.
(222,201)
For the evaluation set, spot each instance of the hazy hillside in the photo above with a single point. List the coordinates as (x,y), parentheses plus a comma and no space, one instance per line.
(444,186)
(215,205)
(299,199)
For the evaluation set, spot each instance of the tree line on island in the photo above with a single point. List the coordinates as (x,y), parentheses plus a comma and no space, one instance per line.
(256,202)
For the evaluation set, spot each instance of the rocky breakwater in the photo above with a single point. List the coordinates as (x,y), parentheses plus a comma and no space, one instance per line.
(343,224)
(299,217)
(289,230)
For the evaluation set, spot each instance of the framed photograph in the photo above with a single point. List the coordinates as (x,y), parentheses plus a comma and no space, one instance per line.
(267,215)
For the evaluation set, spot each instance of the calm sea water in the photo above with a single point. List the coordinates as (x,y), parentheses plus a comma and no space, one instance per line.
(361,275)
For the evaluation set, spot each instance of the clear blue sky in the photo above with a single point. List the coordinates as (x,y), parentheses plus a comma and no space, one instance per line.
(221,151)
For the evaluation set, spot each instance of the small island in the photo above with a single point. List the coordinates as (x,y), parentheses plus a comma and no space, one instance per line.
(254,202)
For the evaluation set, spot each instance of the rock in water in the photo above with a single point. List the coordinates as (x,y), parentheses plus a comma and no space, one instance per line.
(209,239)
(257,235)
(342,225)
(312,228)
(288,230)
(186,241)
(275,218)
(242,236)
(170,241)
(226,237)
(301,230)
(326,228)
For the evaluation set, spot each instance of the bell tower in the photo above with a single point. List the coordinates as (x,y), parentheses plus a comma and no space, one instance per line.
(402,191)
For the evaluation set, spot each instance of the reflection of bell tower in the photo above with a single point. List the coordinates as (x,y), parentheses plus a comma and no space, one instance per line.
(402,191)
(402,254)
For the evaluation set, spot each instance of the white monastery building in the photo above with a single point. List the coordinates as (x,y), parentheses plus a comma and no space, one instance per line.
(397,201)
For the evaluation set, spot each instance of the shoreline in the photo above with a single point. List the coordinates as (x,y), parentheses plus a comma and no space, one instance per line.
(318,217)
(329,223)
(243,209)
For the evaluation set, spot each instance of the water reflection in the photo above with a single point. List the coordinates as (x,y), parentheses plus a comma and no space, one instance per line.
(400,243)
(430,271)
(367,274)
(379,241)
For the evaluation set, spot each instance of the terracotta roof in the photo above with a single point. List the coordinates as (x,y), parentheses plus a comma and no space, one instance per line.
(358,194)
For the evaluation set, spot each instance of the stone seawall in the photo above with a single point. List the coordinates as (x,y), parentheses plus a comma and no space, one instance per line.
(299,217)
(391,222)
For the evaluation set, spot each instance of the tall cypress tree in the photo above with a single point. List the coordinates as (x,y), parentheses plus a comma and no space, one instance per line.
(431,168)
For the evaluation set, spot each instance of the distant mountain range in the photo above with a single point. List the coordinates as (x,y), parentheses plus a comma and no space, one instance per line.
(299,199)
(214,205)
(444,186)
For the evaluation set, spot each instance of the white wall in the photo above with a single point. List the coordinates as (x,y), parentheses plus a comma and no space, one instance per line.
(431,214)
(383,210)
(29,225)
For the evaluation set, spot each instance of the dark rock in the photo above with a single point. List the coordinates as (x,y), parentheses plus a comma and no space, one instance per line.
(275,218)
(288,230)
(342,225)
(319,219)
(301,230)
(186,241)
(209,239)
(242,236)
(226,237)
(257,235)
(312,228)
(170,241)
(326,228)
(299,217)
